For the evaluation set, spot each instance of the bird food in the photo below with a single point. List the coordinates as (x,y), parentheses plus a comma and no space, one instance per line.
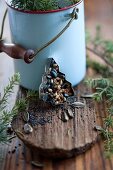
(55,89)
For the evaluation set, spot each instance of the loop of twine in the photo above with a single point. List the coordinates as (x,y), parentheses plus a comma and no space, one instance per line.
(3,22)
(74,16)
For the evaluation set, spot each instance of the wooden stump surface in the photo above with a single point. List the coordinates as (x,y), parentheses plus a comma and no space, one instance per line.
(94,158)
(57,138)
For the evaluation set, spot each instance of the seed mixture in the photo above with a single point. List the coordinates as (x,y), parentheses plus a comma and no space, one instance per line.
(54,88)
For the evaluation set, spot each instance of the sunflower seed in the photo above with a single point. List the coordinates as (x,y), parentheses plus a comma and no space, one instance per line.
(19,133)
(25,116)
(64,117)
(70,112)
(27,128)
(77,104)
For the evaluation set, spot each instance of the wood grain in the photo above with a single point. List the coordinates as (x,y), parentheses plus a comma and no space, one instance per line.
(58,138)
(97,12)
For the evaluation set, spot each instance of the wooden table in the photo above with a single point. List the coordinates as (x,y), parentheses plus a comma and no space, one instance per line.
(16,156)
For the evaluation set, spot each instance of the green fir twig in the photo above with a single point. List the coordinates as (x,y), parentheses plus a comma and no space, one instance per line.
(2,27)
(103,86)
(42,5)
(6,116)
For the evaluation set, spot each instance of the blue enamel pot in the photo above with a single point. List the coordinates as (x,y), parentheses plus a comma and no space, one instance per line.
(34,29)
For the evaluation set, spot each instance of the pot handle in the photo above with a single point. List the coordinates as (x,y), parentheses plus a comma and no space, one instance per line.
(73,16)
(16,51)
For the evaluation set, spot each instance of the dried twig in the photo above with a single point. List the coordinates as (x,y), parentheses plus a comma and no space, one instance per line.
(100,56)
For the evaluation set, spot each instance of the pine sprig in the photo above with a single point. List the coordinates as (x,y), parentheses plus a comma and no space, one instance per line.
(8,90)
(99,82)
(21,105)
(103,87)
(6,116)
(3,134)
(104,90)
(41,5)
(32,94)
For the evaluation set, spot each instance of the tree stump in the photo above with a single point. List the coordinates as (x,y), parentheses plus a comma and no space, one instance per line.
(52,137)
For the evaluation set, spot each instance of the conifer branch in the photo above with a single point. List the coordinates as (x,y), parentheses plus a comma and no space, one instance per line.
(6,116)
(103,87)
(42,5)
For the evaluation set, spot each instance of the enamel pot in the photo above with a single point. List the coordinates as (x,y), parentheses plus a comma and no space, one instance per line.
(33,30)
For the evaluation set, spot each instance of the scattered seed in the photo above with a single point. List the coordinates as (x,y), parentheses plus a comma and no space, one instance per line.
(48,77)
(9,129)
(55,65)
(66,95)
(54,73)
(64,99)
(70,112)
(19,133)
(25,116)
(87,95)
(50,69)
(98,128)
(13,151)
(69,131)
(37,164)
(27,128)
(77,104)
(56,103)
(52,81)
(57,84)
(64,117)
(50,90)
